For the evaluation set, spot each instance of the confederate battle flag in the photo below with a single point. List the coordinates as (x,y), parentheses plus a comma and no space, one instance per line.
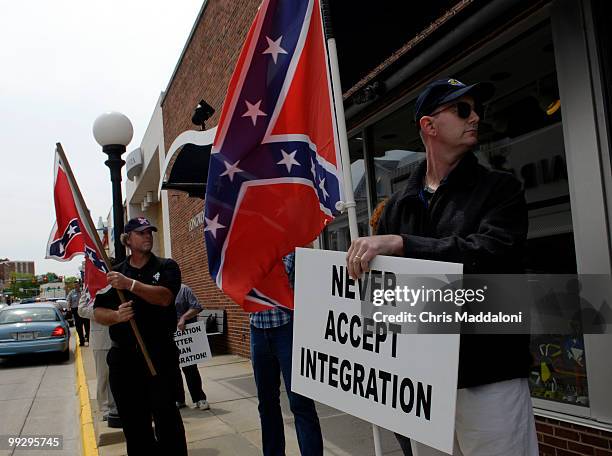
(275,174)
(70,236)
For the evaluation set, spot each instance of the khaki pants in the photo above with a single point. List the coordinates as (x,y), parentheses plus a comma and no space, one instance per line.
(103,392)
(492,420)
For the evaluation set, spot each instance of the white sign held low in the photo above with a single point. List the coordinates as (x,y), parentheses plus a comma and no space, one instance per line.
(192,343)
(406,383)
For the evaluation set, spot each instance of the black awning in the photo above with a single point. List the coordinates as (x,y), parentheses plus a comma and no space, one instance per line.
(190,170)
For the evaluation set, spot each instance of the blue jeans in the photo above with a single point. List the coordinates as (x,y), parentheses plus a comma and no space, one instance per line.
(271,356)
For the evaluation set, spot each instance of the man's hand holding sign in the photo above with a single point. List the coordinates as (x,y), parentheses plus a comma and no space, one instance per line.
(363,250)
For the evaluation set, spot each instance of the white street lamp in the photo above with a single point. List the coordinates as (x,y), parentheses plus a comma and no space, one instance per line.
(113,131)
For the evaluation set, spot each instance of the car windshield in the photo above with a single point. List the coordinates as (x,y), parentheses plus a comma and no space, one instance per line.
(8,316)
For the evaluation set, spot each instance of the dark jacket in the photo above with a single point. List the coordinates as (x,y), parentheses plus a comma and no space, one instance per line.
(477,217)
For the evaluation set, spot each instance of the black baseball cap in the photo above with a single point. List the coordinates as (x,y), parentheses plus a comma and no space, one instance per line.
(444,91)
(138,224)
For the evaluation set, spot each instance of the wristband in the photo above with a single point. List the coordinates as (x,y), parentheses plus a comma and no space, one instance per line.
(133,283)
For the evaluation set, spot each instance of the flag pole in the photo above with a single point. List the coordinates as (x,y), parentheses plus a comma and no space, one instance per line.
(96,239)
(349,196)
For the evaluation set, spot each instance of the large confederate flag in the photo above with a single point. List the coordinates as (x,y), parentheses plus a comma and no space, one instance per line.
(274,176)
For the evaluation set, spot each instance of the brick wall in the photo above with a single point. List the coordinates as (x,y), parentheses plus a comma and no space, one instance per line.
(204,73)
(557,438)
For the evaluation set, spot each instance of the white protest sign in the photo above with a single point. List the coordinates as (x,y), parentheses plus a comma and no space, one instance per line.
(192,343)
(406,383)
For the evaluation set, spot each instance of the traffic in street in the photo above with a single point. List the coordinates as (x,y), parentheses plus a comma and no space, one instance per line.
(39,404)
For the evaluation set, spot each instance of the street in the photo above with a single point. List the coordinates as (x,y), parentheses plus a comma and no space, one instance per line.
(38,399)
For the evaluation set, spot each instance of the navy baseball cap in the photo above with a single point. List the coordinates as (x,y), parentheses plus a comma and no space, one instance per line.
(444,91)
(138,224)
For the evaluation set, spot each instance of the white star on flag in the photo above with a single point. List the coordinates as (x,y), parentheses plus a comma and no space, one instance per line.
(288,160)
(90,256)
(230,170)
(213,225)
(313,170)
(322,187)
(253,111)
(71,230)
(274,48)
(61,247)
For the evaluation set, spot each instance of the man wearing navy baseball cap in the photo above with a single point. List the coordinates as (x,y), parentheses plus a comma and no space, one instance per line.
(454,209)
(150,285)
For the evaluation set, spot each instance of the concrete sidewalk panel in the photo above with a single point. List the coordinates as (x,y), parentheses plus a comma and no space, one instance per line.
(244,385)
(233,444)
(242,415)
(222,360)
(219,391)
(224,371)
(200,425)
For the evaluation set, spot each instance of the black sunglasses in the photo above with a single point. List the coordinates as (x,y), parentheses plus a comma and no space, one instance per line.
(464,109)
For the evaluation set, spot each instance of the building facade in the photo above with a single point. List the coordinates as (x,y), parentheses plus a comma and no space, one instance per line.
(203,73)
(549,123)
(21,267)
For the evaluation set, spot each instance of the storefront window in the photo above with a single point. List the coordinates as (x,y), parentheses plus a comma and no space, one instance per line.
(520,132)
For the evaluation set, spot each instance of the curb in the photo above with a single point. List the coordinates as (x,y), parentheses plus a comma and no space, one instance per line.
(88,438)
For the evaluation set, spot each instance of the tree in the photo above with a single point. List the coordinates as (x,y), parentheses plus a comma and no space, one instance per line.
(23,285)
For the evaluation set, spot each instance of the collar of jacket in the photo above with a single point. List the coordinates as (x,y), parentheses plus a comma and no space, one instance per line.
(464,174)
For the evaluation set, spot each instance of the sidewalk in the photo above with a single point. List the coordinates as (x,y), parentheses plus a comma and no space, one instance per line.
(231,427)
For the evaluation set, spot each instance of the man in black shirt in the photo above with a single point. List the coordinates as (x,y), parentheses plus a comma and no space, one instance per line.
(150,285)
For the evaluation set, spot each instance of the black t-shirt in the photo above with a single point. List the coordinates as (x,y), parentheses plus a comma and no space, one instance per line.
(157,324)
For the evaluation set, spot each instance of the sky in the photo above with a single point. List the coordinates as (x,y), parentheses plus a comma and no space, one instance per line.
(64,62)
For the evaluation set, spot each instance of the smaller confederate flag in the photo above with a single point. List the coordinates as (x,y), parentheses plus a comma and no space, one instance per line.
(70,235)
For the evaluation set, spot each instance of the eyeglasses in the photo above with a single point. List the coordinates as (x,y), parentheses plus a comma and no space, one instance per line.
(464,109)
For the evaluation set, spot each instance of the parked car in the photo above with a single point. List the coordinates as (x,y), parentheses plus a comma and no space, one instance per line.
(34,328)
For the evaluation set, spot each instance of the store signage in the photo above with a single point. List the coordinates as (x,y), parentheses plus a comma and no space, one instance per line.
(134,164)
(192,343)
(196,221)
(406,383)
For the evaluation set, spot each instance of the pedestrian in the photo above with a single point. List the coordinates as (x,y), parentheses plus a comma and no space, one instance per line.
(271,345)
(454,209)
(81,324)
(150,285)
(100,344)
(187,309)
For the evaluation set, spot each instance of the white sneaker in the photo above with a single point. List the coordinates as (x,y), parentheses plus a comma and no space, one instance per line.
(203,405)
